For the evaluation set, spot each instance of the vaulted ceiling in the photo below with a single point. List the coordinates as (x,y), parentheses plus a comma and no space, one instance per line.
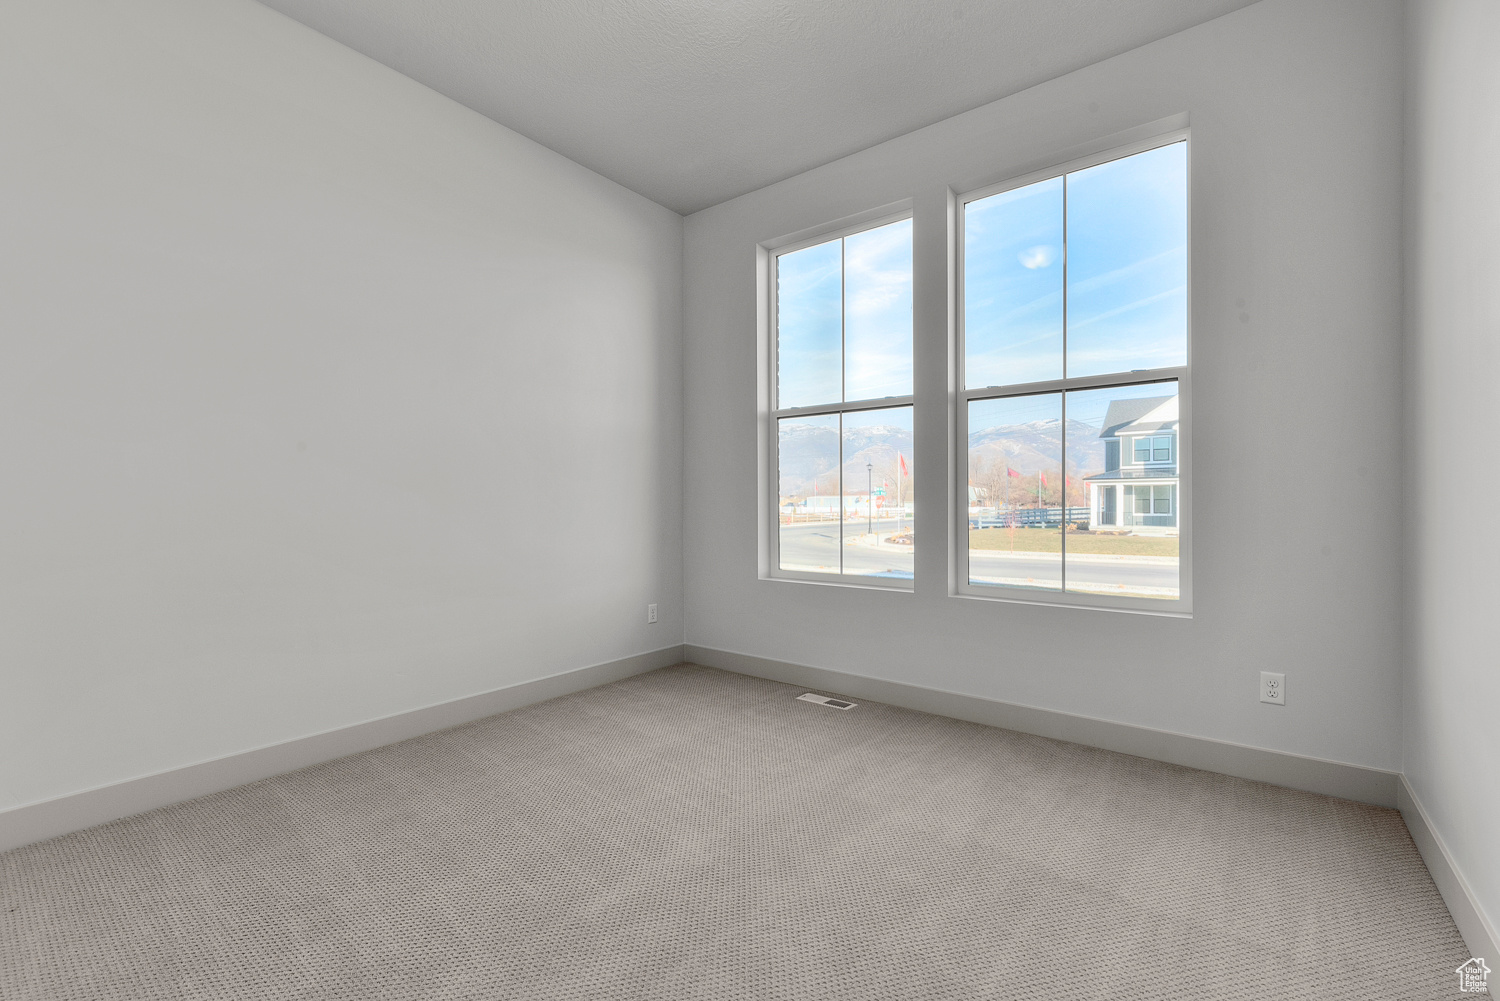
(692,102)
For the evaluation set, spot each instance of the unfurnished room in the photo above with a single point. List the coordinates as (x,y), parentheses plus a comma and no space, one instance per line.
(749,499)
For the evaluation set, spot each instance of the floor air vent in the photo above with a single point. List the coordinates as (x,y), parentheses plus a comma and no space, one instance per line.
(824,700)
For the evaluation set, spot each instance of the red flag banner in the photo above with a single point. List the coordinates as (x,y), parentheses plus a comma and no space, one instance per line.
(901,459)
(1012,472)
(1044,478)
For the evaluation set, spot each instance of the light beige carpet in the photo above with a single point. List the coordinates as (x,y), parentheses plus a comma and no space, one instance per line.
(696,834)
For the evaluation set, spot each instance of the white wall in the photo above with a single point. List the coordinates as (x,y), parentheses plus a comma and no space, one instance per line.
(321,397)
(1451,742)
(1295,112)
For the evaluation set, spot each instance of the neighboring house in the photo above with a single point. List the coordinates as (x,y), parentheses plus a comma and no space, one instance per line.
(1138,488)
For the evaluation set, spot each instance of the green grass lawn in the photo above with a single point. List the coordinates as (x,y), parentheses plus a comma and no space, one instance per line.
(1039,540)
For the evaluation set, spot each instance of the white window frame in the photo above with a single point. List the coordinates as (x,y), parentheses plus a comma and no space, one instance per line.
(1136,488)
(1151,459)
(1182,375)
(771,547)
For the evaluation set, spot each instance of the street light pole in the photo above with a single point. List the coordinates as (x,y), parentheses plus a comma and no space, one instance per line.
(869,495)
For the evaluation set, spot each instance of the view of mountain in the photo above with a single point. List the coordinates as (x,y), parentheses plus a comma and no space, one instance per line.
(1036,446)
(809,454)
(809,457)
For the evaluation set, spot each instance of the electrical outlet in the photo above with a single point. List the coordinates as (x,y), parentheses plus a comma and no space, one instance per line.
(1273,688)
(650,613)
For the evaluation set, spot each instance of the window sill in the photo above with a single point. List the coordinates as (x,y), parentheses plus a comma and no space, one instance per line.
(895,584)
(1177,609)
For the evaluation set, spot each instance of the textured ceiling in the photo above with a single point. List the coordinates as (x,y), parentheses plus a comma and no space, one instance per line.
(691,102)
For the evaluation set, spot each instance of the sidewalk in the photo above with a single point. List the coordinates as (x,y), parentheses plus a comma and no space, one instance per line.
(875,542)
(1078,557)
(1130,590)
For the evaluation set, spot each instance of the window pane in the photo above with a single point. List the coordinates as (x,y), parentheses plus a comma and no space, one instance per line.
(878,500)
(809,326)
(807,458)
(1132,550)
(1016,491)
(1142,449)
(1013,283)
(1127,263)
(1162,451)
(877,312)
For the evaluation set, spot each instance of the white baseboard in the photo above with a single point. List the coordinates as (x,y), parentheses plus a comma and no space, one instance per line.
(1474,924)
(49,818)
(1294,771)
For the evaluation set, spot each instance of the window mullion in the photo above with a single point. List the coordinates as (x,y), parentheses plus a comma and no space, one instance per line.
(816,410)
(841,494)
(1062,542)
(1065,278)
(1140,377)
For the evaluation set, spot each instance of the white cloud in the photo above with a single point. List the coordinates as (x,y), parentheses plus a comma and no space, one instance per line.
(877,269)
(1037,257)
(878,291)
(1108,314)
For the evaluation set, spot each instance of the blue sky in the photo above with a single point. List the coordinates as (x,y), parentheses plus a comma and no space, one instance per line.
(809,326)
(1126,296)
(1013,285)
(1126,252)
(863,281)
(877,312)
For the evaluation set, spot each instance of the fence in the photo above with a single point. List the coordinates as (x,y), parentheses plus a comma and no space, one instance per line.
(1024,517)
(1028,517)
(802,516)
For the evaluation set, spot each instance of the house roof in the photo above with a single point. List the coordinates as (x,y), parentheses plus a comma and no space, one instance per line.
(1147,414)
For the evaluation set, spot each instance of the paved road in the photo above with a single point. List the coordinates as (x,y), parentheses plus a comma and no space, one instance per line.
(817,546)
(1044,568)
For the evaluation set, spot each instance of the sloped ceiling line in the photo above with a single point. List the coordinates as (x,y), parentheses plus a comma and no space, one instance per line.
(692,102)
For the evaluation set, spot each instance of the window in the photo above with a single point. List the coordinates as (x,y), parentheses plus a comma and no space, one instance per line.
(842,408)
(1155,499)
(1074,333)
(1157,449)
